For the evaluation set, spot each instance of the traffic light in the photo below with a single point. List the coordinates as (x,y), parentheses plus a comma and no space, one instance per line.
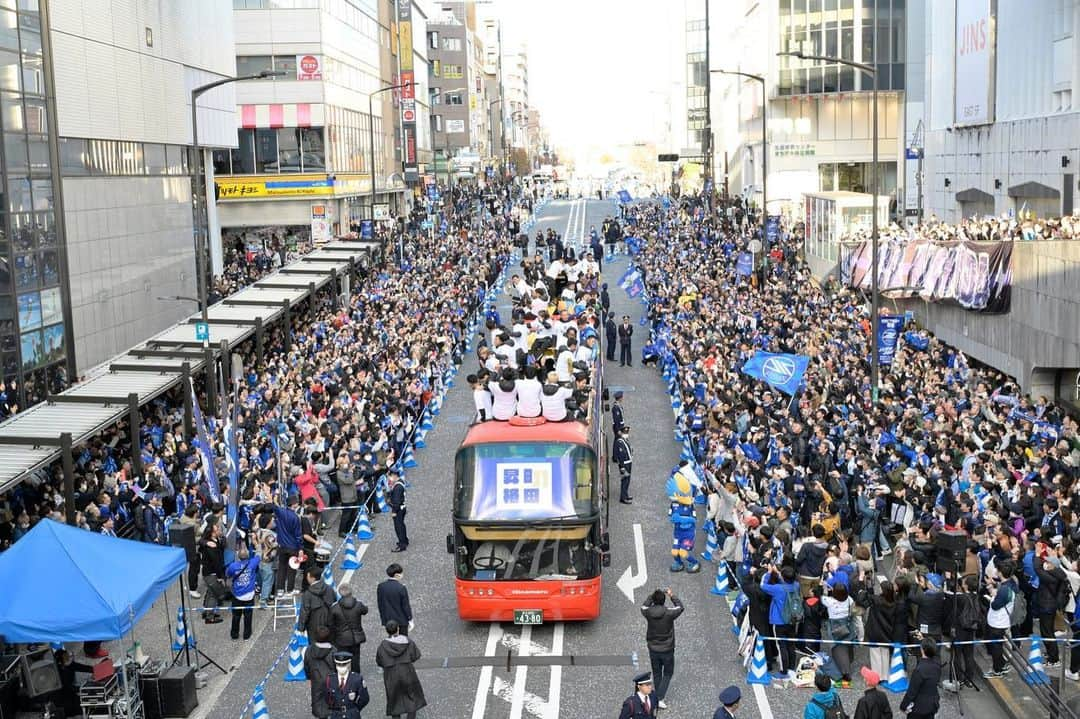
(667,157)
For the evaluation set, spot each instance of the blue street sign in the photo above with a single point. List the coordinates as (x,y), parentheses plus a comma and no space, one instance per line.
(912,153)
(202,331)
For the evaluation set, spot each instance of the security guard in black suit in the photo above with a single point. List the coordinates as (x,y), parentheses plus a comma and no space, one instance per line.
(640,704)
(624,458)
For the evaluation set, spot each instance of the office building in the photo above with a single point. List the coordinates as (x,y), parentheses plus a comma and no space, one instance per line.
(515,65)
(998,103)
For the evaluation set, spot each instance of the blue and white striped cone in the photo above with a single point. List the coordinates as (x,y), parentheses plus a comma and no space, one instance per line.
(294,672)
(407,458)
(759,669)
(436,405)
(328,577)
(363,528)
(351,560)
(687,453)
(426,423)
(712,543)
(737,607)
(1037,675)
(418,440)
(897,682)
(380,499)
(676,401)
(181,630)
(299,636)
(258,709)
(721,587)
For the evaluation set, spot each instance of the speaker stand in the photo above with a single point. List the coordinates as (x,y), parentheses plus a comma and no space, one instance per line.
(185,651)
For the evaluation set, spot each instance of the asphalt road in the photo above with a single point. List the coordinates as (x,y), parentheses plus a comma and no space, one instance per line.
(706,658)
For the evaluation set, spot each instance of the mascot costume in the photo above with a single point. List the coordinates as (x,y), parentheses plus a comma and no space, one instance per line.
(682,489)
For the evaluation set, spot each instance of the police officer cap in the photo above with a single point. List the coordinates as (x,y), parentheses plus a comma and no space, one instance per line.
(730,696)
(342,657)
(618,394)
(643,678)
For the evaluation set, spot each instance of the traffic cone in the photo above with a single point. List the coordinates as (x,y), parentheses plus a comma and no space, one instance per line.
(1037,675)
(351,561)
(687,454)
(897,682)
(328,577)
(407,458)
(721,586)
(258,710)
(363,530)
(676,401)
(418,441)
(299,636)
(181,630)
(759,670)
(295,670)
(712,542)
(436,404)
(380,497)
(426,425)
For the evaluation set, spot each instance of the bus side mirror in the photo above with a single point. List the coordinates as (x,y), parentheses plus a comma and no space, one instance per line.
(449,544)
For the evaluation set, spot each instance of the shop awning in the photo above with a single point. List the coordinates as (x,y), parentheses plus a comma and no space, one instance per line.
(1033,191)
(973,194)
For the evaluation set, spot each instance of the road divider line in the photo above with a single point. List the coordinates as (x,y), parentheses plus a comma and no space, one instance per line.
(484,684)
(764,708)
(555,685)
(521,675)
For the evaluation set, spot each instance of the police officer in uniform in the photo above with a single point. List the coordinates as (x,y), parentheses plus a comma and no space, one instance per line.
(640,704)
(346,694)
(624,458)
(729,700)
(617,421)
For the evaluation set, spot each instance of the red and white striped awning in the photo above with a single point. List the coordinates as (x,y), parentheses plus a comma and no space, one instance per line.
(298,114)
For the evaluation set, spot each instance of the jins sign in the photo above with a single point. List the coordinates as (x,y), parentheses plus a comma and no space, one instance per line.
(973,63)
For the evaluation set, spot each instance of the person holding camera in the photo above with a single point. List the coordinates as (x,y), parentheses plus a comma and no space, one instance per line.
(660,638)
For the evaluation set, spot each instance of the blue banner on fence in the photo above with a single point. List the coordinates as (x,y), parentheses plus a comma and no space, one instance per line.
(889,328)
(744,264)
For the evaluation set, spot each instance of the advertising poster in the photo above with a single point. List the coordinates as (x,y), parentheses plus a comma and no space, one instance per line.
(535,488)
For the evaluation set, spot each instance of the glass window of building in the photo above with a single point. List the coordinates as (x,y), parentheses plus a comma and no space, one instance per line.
(288,141)
(253,64)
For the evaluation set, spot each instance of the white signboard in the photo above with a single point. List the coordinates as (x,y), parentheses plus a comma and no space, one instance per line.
(308,67)
(974,57)
(454,126)
(320,223)
(382,212)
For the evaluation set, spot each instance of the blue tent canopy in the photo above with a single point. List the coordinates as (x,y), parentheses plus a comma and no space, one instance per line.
(64,584)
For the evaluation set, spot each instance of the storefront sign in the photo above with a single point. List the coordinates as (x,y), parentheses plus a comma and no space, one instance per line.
(793,149)
(320,223)
(382,212)
(405,77)
(308,67)
(973,62)
(245,188)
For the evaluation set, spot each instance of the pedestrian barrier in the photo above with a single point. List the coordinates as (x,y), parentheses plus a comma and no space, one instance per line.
(759,670)
(295,670)
(712,542)
(351,560)
(897,681)
(363,531)
(260,711)
(1037,675)
(721,587)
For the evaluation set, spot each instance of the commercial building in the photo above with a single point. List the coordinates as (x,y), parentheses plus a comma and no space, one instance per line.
(97,137)
(515,66)
(997,100)
(819,115)
(489,33)
(302,163)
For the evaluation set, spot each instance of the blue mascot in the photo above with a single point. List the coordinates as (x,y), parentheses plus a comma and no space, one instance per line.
(681,490)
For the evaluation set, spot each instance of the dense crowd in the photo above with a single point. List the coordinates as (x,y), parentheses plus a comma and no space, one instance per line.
(985,229)
(810,493)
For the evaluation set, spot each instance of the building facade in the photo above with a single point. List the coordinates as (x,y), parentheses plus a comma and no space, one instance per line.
(103,223)
(303,161)
(515,66)
(1002,127)
(819,115)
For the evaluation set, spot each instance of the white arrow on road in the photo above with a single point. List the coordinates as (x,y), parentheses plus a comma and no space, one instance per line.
(630,581)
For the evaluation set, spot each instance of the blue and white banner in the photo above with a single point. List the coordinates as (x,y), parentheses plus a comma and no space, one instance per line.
(772,229)
(744,264)
(624,196)
(202,444)
(782,371)
(636,287)
(629,278)
(889,327)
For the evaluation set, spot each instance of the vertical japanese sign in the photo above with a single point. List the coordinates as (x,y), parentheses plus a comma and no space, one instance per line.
(408,96)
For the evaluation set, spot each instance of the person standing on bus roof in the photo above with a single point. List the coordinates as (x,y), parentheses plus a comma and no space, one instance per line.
(396,500)
(481,398)
(624,458)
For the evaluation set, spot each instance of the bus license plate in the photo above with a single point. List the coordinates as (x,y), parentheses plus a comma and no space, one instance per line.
(528,616)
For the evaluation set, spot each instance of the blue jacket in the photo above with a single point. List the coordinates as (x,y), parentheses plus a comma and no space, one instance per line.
(290,536)
(245,575)
(813,711)
(777,593)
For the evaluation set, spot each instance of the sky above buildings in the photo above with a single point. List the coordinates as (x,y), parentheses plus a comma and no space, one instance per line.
(600,71)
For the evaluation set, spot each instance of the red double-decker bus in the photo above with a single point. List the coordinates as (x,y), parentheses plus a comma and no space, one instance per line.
(530,519)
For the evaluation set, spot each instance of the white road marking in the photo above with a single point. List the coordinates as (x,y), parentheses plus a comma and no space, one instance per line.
(480,702)
(629,581)
(517,701)
(531,703)
(764,708)
(347,576)
(555,685)
(514,644)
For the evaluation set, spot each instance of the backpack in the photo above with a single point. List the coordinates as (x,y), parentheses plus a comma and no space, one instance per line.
(968,615)
(835,711)
(1019,611)
(793,610)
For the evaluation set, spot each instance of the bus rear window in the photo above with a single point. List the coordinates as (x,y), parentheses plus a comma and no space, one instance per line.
(524,481)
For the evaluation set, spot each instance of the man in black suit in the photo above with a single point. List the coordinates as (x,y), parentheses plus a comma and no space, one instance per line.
(640,704)
(921,700)
(396,500)
(624,458)
(393,600)
(626,331)
(610,335)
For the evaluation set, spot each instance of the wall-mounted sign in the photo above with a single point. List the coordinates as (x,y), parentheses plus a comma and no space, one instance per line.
(308,67)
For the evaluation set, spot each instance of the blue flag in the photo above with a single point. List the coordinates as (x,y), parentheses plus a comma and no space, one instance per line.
(781,371)
(203,446)
(624,196)
(636,287)
(744,264)
(889,327)
(232,455)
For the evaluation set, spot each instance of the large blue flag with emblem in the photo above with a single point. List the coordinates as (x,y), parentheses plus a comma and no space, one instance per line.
(782,371)
(232,456)
(202,444)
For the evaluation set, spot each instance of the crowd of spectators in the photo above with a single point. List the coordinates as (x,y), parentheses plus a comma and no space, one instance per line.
(811,493)
(985,229)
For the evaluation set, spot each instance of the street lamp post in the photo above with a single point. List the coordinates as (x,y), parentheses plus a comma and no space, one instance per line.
(764,161)
(200,239)
(875,294)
